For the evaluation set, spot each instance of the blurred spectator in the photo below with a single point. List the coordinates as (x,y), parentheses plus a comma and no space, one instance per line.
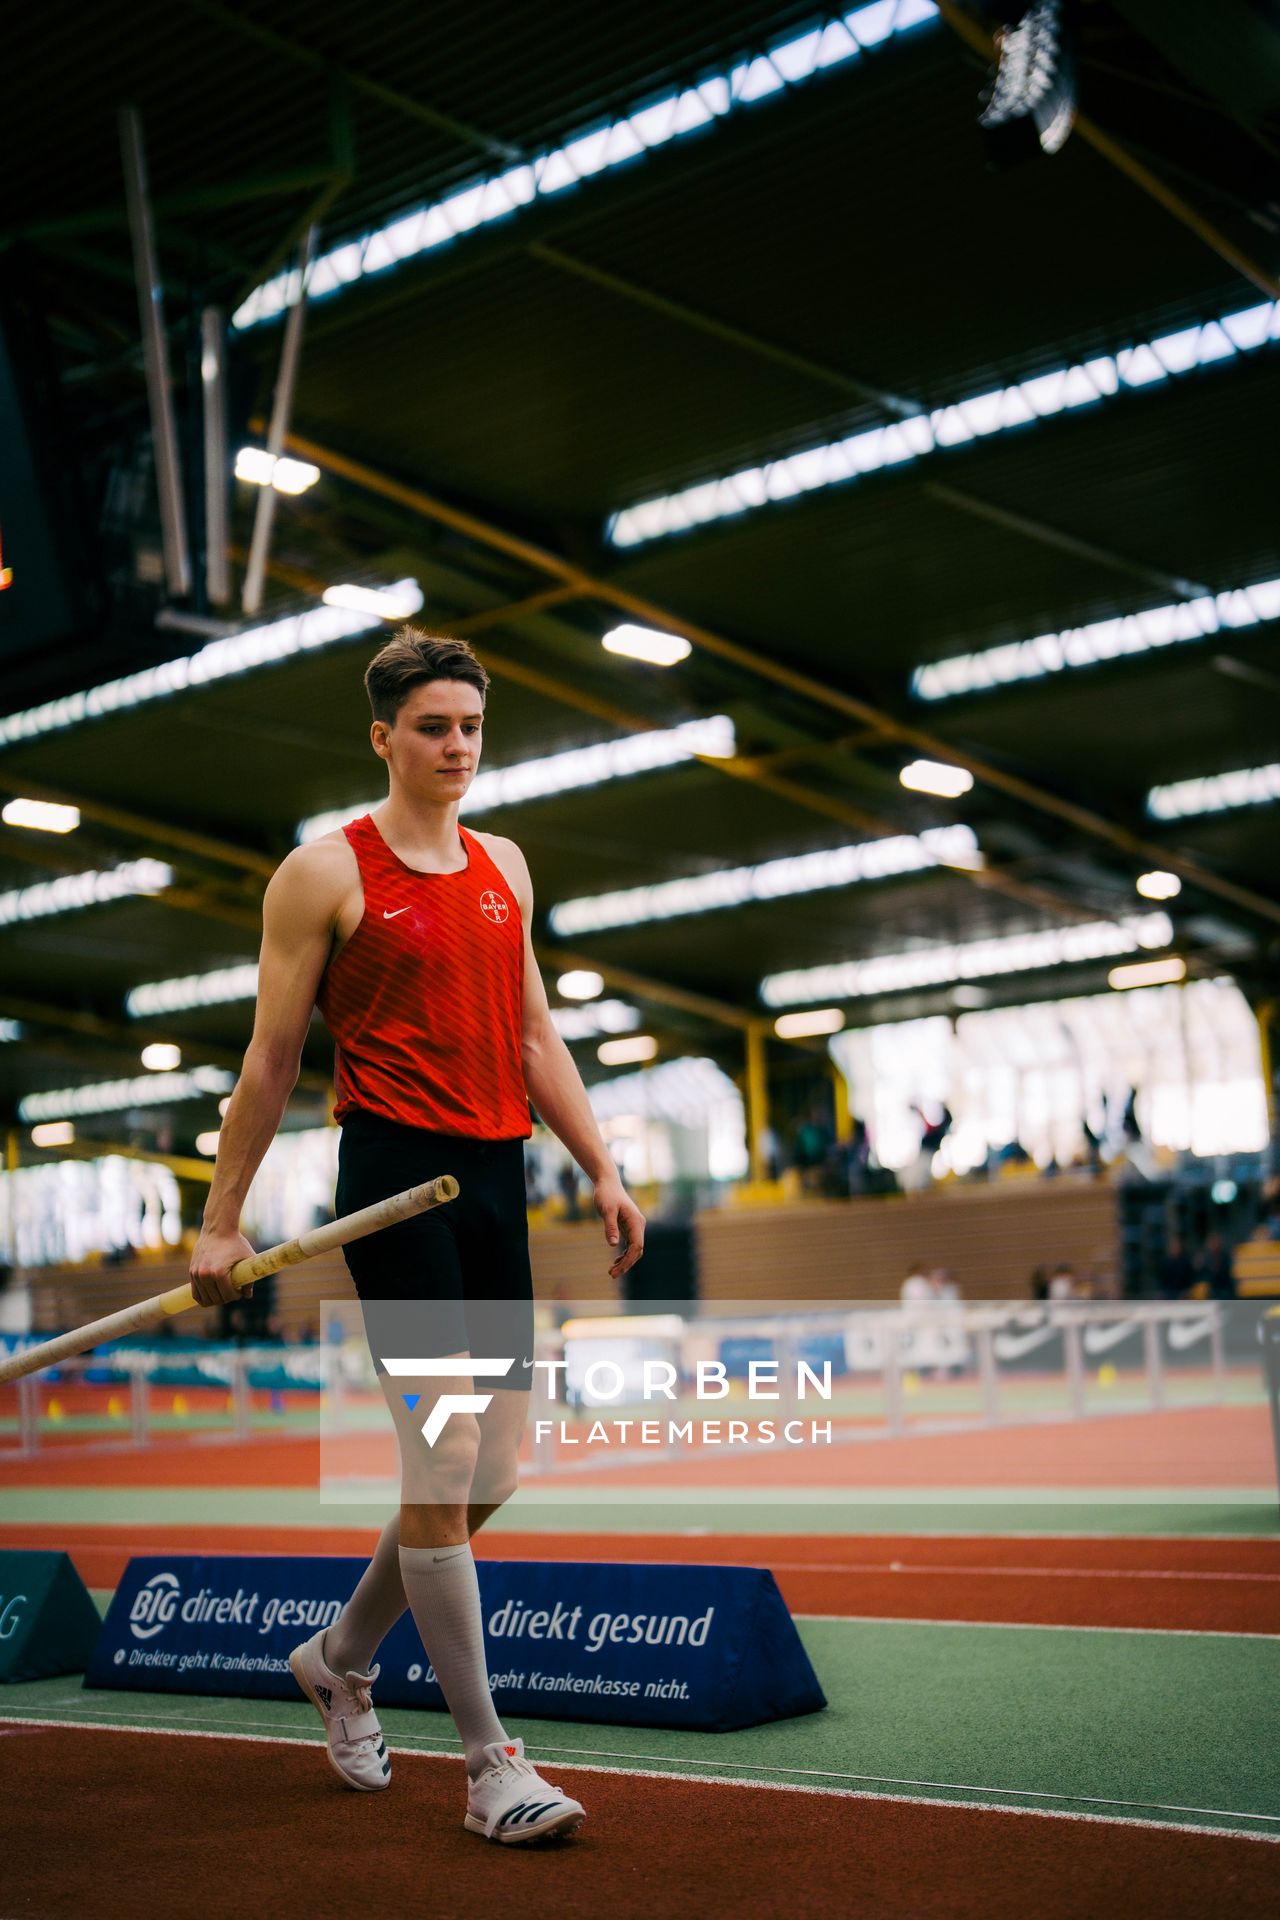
(1062,1282)
(567,1181)
(1040,1283)
(917,1286)
(944,1286)
(1212,1267)
(1177,1275)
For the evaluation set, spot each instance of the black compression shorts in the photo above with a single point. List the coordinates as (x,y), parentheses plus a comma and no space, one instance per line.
(455,1279)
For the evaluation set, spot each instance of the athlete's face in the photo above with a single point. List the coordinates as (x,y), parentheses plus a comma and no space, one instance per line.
(434,747)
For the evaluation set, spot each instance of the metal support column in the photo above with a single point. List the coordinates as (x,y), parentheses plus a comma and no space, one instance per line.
(1154,1362)
(155,354)
(29,1413)
(1074,1355)
(757,1098)
(217,456)
(140,1400)
(281,414)
(989,1375)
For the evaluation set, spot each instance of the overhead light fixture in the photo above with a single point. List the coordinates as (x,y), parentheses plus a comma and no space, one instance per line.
(711,739)
(160,1057)
(233,653)
(55,1133)
(73,891)
(263,469)
(600,1016)
(1119,638)
(801,1026)
(396,602)
(625,1053)
(773,880)
(1033,95)
(1158,886)
(1148,973)
(580,983)
(1215,793)
(646,643)
(44,815)
(222,1107)
(594,150)
(934,776)
(920,967)
(207,1143)
(117,1096)
(1001,410)
(214,989)
(10,1030)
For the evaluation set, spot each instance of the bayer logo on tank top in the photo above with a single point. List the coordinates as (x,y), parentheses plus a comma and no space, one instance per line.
(494,907)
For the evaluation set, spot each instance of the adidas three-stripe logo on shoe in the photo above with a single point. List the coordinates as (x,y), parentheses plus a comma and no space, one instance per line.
(357,1750)
(510,1802)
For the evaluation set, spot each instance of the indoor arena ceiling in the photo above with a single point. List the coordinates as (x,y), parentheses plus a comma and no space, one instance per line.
(815,269)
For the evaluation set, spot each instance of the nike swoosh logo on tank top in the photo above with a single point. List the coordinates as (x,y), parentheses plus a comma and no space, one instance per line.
(425,1001)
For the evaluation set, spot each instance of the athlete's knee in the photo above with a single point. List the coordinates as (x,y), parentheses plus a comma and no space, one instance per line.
(497,1476)
(444,1467)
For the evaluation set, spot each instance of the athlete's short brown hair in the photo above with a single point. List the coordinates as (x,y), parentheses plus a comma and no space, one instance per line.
(409,661)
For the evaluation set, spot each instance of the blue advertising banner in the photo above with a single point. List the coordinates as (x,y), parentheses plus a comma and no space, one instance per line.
(712,1648)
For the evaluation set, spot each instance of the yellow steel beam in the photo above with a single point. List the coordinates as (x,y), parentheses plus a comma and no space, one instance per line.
(115,1033)
(885,725)
(757,1101)
(179,1163)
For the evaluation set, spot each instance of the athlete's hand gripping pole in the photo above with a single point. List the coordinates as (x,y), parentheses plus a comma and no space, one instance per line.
(145,1314)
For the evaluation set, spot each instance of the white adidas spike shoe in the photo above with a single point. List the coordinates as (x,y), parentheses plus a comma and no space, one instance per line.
(357,1749)
(511,1803)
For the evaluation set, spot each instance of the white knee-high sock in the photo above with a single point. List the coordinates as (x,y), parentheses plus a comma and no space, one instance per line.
(373,1609)
(445,1597)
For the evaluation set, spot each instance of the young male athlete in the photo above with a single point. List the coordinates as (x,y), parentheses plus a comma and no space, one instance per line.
(412,935)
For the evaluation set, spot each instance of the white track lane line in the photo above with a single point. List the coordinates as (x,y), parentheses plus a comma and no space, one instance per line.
(1025,1626)
(800,1780)
(1005,1573)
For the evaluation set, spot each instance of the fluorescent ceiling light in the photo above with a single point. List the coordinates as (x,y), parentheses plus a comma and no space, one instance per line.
(933,776)
(602,1016)
(55,1133)
(161,1057)
(623,1053)
(711,739)
(1088,646)
(214,989)
(1158,886)
(10,1030)
(593,149)
(967,960)
(646,643)
(72,891)
(263,469)
(235,653)
(800,1026)
(116,1096)
(395,602)
(1215,793)
(736,886)
(207,1143)
(580,983)
(1148,973)
(44,815)
(998,411)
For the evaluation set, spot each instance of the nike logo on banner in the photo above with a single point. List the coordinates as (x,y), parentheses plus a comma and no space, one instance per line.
(1185,1333)
(1012,1346)
(395,915)
(1098,1339)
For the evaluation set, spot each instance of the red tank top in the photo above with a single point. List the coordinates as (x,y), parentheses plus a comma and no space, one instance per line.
(425,999)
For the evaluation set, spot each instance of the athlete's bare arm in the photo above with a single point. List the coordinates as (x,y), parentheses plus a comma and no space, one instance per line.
(555,1085)
(300,911)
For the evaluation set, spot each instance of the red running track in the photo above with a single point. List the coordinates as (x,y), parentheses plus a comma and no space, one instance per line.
(1193,1585)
